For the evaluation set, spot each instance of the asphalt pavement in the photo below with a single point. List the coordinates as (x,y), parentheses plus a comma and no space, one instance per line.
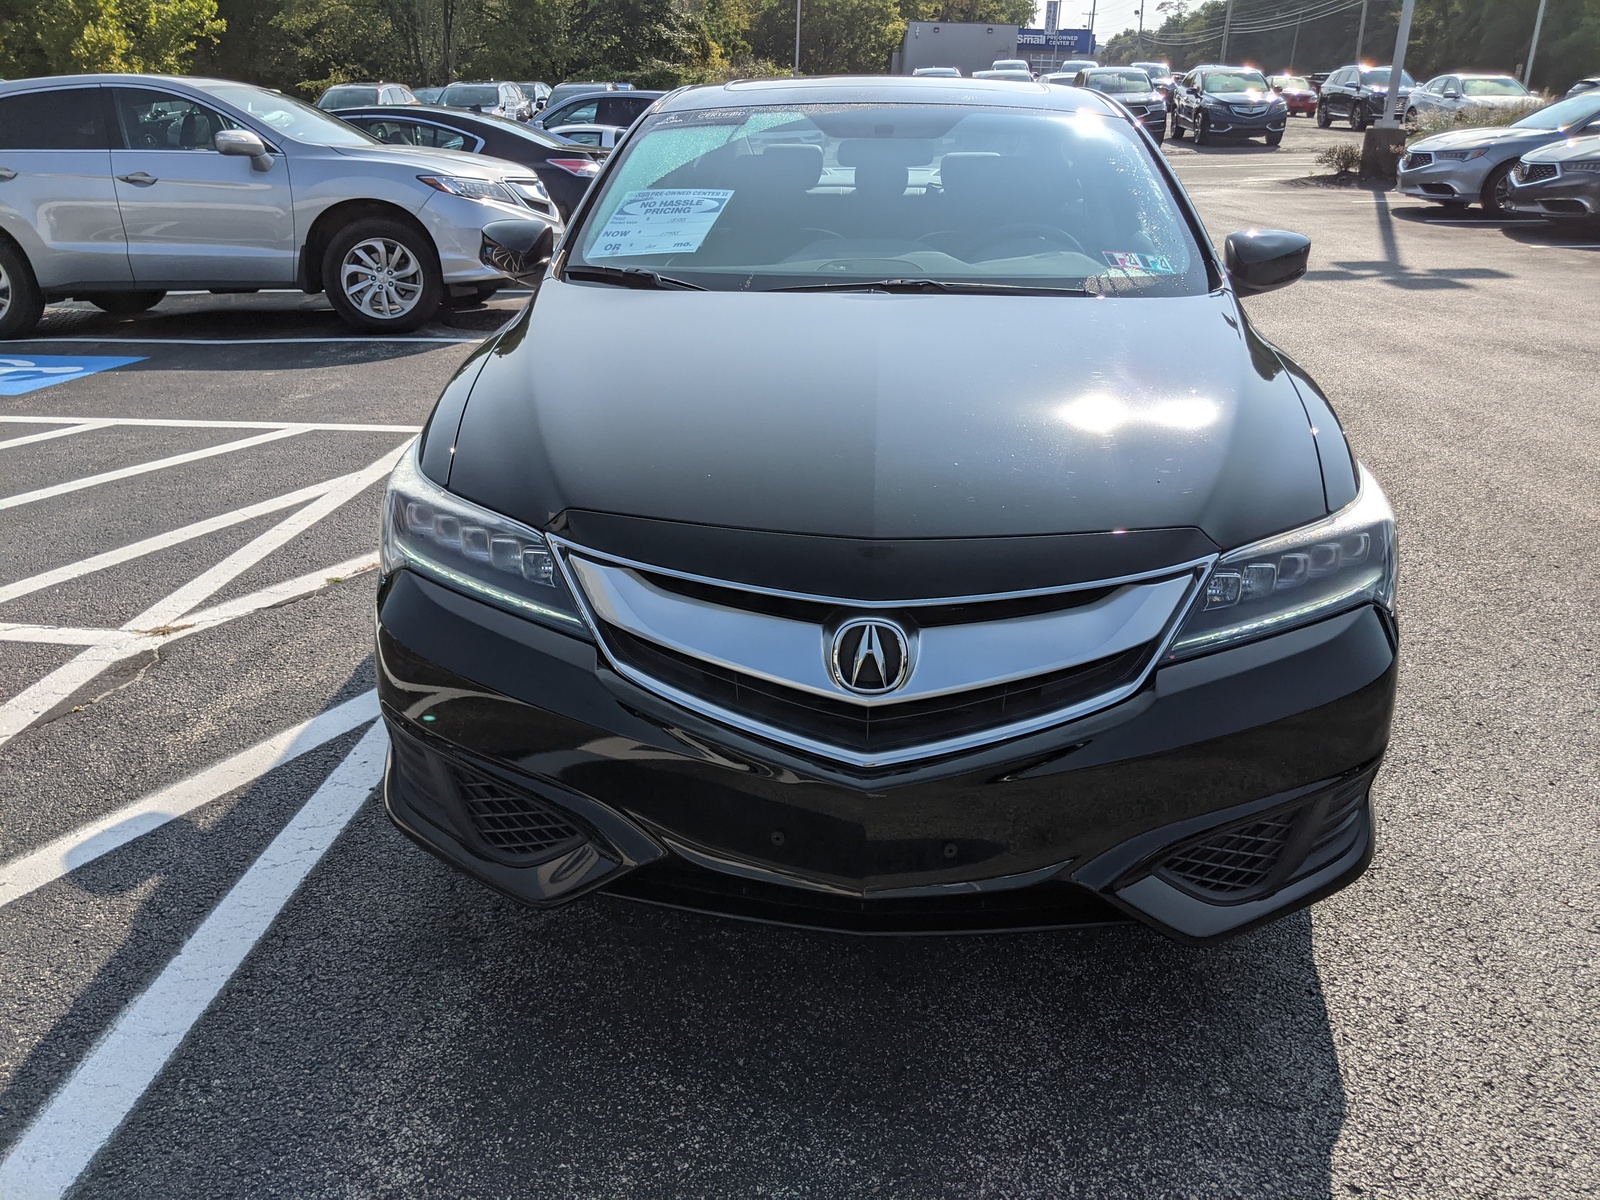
(223,973)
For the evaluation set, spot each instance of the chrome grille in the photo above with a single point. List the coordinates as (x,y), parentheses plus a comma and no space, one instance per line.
(981,668)
(1525,172)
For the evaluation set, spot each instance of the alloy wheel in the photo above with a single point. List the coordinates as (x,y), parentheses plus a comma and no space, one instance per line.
(382,278)
(5,292)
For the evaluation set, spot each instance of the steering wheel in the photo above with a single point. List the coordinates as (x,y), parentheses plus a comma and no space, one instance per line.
(1024,229)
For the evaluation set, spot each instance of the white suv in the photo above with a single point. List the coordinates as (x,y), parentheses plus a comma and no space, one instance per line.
(118,188)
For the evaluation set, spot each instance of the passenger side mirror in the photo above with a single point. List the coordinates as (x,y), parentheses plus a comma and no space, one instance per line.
(243,144)
(1451,94)
(519,249)
(1259,260)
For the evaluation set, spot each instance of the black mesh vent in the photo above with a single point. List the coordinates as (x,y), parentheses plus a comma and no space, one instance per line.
(884,728)
(513,822)
(1236,861)
(1415,160)
(1534,172)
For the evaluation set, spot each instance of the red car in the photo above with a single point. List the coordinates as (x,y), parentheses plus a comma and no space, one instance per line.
(1296,92)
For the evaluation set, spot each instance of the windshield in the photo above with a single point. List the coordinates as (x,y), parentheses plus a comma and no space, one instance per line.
(1503,85)
(289,117)
(1379,77)
(1119,83)
(770,197)
(1563,114)
(466,95)
(1158,72)
(1223,82)
(348,97)
(1291,81)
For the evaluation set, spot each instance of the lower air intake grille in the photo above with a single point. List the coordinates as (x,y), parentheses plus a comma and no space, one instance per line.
(1534,172)
(1415,160)
(1232,862)
(514,823)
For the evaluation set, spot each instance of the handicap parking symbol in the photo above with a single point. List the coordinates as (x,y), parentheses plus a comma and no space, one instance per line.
(20,375)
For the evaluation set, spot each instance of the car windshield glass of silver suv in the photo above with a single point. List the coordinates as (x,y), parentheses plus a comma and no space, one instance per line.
(845,195)
(470,94)
(290,117)
(1120,83)
(1228,82)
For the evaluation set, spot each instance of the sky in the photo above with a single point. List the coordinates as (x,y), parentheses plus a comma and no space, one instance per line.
(1111,16)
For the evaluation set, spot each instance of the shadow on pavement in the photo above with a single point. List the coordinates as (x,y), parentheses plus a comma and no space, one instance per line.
(1391,268)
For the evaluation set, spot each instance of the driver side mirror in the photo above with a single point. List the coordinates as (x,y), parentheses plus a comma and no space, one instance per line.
(1259,260)
(518,249)
(1451,94)
(244,144)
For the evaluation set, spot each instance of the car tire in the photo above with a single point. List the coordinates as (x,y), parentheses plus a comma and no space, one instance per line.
(1411,116)
(21,302)
(1201,135)
(124,304)
(1177,129)
(1497,190)
(383,276)
(1274,139)
(1358,116)
(1160,137)
(1324,117)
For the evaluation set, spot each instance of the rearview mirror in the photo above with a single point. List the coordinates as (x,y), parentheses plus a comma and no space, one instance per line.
(519,249)
(244,144)
(1259,260)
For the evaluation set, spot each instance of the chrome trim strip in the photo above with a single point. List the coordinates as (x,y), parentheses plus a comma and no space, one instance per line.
(943,659)
(569,547)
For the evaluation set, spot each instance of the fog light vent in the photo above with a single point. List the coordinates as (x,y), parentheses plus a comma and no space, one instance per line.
(516,824)
(1235,861)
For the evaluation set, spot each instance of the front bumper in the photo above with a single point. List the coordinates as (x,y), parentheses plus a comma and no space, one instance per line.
(1444,180)
(1572,196)
(1235,125)
(1231,789)
(456,224)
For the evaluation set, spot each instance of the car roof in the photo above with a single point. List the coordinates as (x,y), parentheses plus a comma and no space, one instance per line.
(886,89)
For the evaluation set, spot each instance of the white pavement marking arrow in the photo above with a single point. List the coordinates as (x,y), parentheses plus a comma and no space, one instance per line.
(89,481)
(83,1115)
(116,829)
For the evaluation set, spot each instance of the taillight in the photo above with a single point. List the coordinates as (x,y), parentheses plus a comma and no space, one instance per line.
(585,167)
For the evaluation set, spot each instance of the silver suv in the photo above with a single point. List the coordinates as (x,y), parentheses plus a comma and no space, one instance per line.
(117,188)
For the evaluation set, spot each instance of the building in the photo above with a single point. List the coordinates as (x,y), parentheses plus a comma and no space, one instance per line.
(966,47)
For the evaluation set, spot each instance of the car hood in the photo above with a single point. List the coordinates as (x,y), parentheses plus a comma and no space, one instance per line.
(1471,139)
(889,416)
(1567,150)
(1242,97)
(456,162)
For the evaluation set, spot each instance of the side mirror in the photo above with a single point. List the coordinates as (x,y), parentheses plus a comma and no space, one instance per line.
(1259,260)
(1451,94)
(518,249)
(1278,87)
(243,143)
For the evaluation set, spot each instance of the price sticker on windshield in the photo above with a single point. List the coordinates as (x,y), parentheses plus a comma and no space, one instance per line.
(660,221)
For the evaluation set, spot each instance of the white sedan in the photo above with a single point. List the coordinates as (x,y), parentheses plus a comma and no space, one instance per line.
(1451,93)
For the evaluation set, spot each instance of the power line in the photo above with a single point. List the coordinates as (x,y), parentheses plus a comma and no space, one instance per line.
(1282,20)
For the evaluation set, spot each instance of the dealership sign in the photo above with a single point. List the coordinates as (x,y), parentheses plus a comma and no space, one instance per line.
(1079,41)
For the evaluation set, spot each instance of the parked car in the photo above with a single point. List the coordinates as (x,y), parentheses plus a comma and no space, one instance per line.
(496,99)
(1160,75)
(1072,66)
(537,93)
(1358,94)
(1588,83)
(116,189)
(1560,181)
(1228,102)
(1460,166)
(618,109)
(1297,94)
(1007,76)
(1131,88)
(564,170)
(1316,79)
(1452,93)
(565,91)
(939,72)
(1011,64)
(596,137)
(860,625)
(428,95)
(359,95)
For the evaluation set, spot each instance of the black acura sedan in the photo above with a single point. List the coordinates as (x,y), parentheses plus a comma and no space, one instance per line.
(890,576)
(565,169)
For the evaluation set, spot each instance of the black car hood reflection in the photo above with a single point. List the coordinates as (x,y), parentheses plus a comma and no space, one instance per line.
(889,416)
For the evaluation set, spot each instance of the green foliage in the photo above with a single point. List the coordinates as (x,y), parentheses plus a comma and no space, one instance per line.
(836,36)
(64,36)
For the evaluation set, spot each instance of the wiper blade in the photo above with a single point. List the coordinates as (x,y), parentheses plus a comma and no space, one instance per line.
(970,287)
(633,277)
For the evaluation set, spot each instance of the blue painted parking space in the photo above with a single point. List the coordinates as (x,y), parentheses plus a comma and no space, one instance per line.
(21,375)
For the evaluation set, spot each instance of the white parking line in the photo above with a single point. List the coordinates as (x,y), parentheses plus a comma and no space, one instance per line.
(56,635)
(49,434)
(161,541)
(81,1118)
(182,423)
(89,481)
(83,845)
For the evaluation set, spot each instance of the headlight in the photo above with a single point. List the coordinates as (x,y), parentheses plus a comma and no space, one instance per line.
(472,189)
(1591,165)
(1297,577)
(471,549)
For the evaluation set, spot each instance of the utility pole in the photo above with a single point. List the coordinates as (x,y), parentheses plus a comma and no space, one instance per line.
(1397,70)
(797,39)
(1138,41)
(1227,22)
(1294,50)
(1361,31)
(1538,23)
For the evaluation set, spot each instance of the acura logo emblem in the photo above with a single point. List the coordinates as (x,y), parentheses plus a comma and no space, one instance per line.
(870,656)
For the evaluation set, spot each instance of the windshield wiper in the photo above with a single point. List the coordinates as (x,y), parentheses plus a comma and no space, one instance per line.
(936,285)
(633,277)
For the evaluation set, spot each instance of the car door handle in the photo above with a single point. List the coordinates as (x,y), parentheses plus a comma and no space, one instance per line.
(139,179)
(7,174)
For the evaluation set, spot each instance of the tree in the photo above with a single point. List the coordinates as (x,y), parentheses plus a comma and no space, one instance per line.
(836,36)
(65,36)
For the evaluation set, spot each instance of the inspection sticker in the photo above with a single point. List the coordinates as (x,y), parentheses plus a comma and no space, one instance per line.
(660,221)
(1154,264)
(19,375)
